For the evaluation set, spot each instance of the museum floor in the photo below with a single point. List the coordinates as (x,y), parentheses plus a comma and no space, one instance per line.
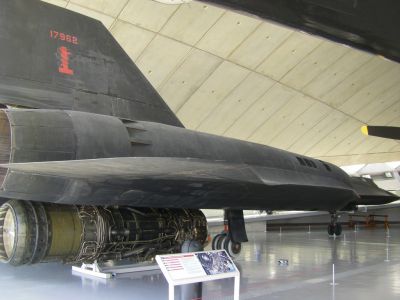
(367,267)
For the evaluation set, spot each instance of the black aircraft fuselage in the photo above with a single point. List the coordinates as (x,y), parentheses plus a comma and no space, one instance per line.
(147,164)
(95,166)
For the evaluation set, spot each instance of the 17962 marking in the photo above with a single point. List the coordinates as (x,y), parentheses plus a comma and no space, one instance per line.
(56,35)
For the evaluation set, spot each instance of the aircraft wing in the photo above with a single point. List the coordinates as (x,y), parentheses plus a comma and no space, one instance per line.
(129,168)
(388,132)
(162,182)
(368,25)
(64,60)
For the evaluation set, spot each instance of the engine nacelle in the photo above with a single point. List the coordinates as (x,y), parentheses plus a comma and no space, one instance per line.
(29,135)
(33,232)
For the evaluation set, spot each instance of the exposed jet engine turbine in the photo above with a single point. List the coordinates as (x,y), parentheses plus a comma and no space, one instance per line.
(34,232)
(95,166)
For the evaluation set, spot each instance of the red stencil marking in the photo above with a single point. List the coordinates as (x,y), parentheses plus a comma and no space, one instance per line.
(64,61)
(56,35)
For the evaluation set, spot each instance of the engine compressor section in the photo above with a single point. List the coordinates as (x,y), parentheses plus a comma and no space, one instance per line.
(34,232)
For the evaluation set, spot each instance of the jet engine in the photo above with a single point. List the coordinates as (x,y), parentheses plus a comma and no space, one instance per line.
(33,232)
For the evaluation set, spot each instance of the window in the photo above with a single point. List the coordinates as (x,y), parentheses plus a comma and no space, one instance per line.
(388,175)
(382,176)
(310,163)
(306,162)
(327,167)
(301,161)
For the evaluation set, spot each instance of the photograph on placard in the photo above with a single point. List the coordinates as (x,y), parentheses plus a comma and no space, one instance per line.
(215,263)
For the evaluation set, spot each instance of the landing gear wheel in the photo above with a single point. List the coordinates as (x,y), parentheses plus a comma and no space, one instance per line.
(334,228)
(338,229)
(216,243)
(331,229)
(233,248)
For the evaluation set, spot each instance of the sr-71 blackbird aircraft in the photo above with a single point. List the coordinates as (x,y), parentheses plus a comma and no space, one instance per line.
(95,166)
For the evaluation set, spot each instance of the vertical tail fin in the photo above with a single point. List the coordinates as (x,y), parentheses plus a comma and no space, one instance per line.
(54,58)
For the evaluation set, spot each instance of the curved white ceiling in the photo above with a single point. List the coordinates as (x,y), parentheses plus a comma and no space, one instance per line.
(242,77)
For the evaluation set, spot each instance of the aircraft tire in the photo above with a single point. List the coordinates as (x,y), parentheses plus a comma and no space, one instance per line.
(221,241)
(217,241)
(338,229)
(233,248)
(331,229)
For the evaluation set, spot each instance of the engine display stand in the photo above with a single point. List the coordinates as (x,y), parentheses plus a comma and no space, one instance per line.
(102,271)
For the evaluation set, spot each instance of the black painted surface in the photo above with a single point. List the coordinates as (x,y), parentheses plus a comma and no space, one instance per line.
(100,158)
(369,25)
(186,169)
(51,57)
(389,132)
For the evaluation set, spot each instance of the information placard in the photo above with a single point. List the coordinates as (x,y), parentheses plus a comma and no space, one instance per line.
(195,267)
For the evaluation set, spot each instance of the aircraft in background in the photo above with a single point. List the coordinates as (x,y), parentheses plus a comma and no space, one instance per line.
(365,25)
(388,132)
(95,166)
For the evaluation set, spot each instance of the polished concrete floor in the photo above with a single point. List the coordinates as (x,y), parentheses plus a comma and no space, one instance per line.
(367,266)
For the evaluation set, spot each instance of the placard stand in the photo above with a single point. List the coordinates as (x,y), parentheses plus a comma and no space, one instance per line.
(180,269)
(107,272)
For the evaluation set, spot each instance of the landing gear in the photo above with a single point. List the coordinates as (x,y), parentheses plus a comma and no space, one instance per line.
(233,248)
(338,229)
(334,228)
(331,229)
(233,235)
(225,241)
(217,241)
